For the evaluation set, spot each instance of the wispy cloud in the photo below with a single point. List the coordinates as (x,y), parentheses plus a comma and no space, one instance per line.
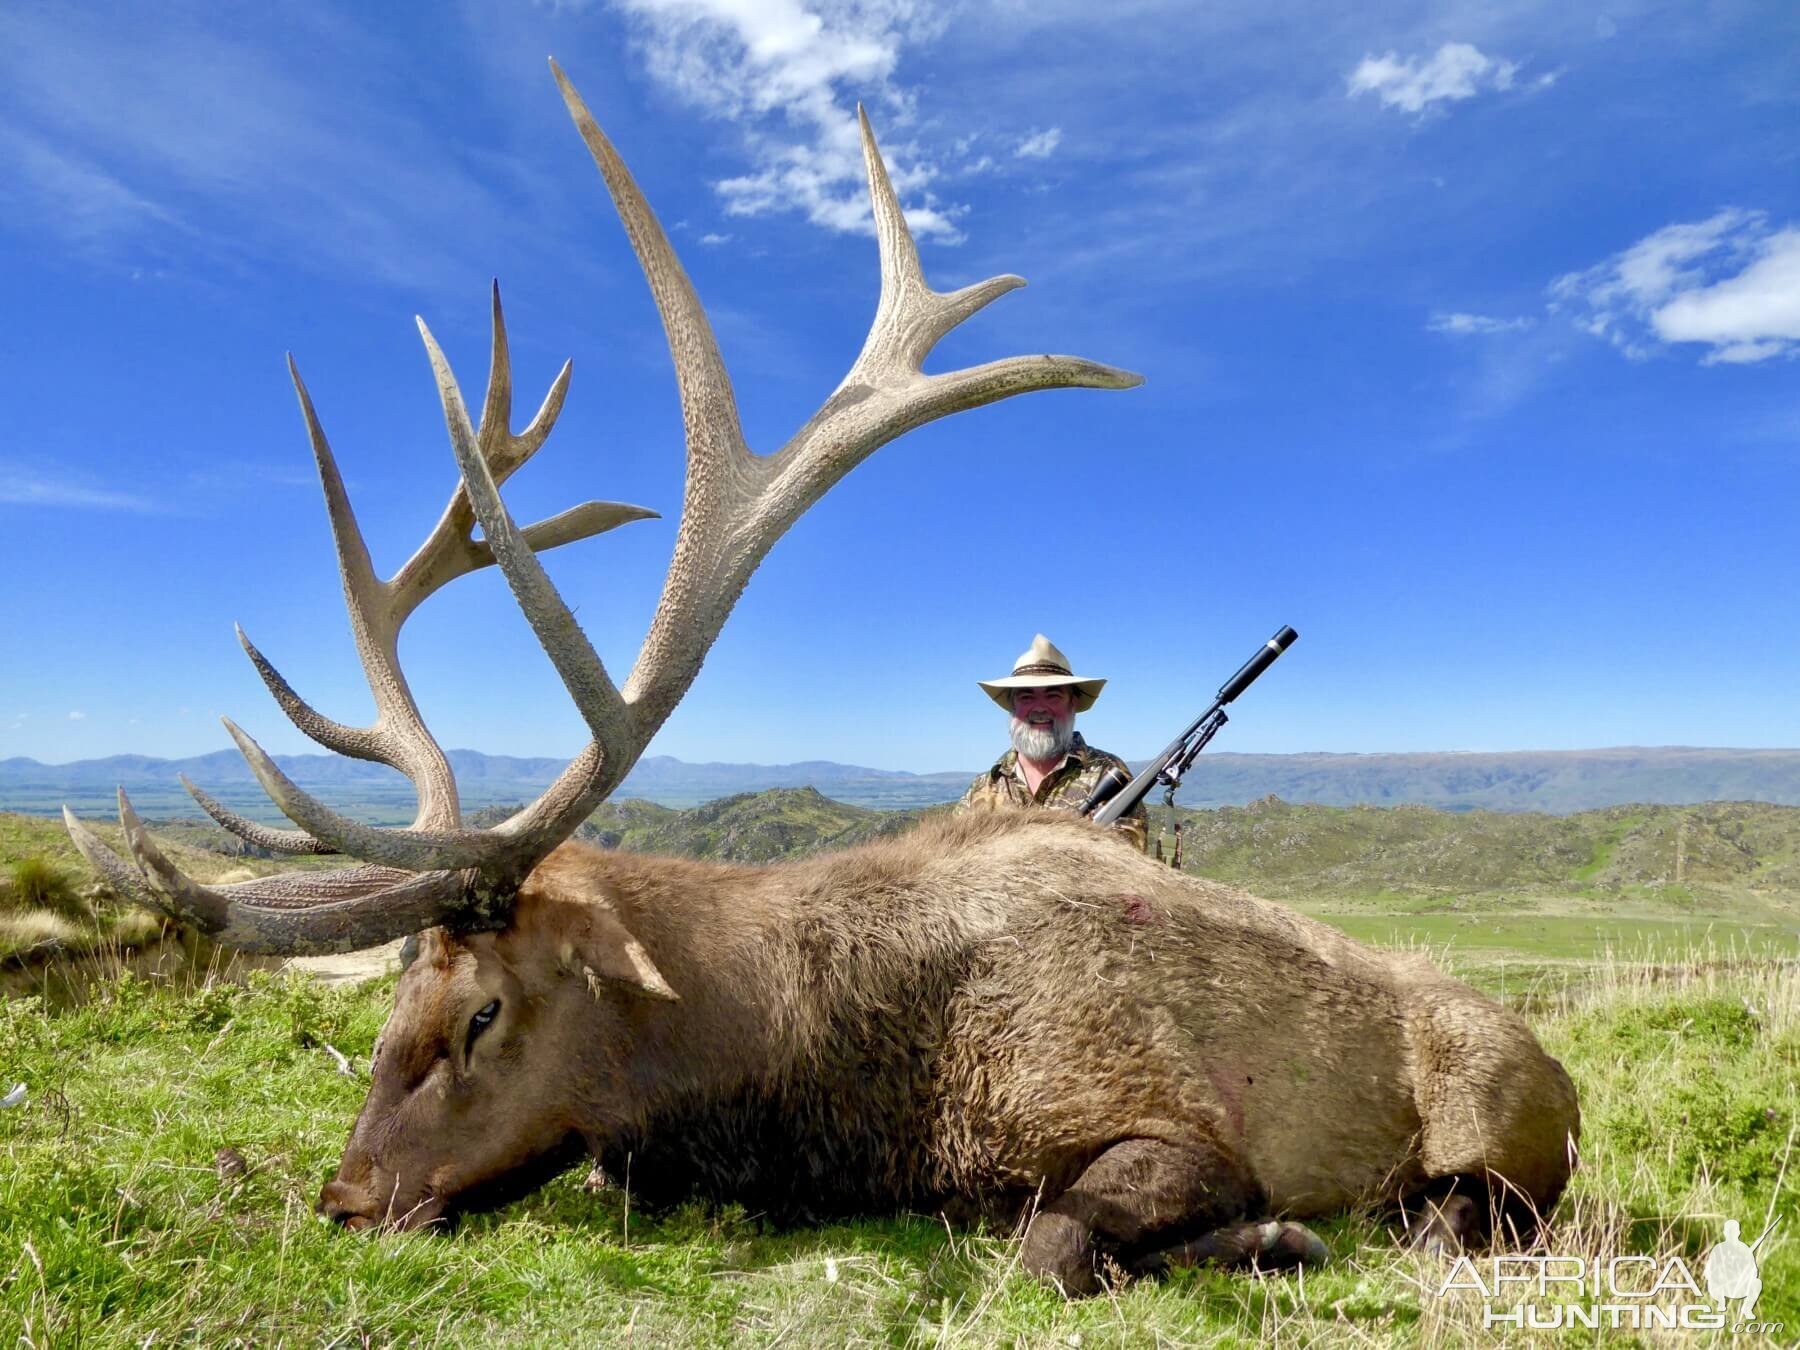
(1730,283)
(86,201)
(21,485)
(1040,144)
(1456,71)
(1465,325)
(206,142)
(77,716)
(789,72)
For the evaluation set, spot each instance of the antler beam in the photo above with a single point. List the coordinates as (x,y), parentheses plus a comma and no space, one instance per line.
(737,504)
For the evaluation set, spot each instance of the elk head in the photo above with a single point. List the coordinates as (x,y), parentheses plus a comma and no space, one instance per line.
(506,1052)
(439,1120)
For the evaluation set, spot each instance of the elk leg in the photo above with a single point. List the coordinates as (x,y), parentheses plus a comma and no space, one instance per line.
(1140,1195)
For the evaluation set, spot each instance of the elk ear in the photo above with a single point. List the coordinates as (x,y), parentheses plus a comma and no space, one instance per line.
(606,950)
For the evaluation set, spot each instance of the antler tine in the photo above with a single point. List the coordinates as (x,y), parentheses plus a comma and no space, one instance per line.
(411,850)
(450,550)
(709,409)
(886,392)
(288,915)
(398,737)
(282,841)
(378,609)
(910,317)
(558,633)
(737,503)
(721,471)
(353,741)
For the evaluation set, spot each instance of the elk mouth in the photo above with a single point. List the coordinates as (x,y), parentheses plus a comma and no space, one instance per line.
(356,1208)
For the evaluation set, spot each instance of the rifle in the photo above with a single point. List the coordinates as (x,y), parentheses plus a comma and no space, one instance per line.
(1113,795)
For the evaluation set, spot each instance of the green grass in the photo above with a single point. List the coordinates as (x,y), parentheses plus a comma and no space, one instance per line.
(115,1225)
(77,926)
(1489,936)
(37,883)
(1606,845)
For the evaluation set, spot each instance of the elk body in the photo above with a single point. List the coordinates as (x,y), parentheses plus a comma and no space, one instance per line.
(994,1015)
(999,1015)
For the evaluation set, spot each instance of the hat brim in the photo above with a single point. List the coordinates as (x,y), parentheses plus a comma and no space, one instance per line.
(1001,691)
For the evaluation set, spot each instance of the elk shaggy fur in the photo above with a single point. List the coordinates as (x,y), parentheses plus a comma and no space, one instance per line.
(995,1015)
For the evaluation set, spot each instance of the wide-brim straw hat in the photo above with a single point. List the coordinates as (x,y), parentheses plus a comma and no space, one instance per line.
(1041,666)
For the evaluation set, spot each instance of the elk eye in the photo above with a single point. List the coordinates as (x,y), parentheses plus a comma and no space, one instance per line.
(480,1022)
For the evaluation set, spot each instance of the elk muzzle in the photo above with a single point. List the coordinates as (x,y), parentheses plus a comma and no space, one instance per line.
(379,1201)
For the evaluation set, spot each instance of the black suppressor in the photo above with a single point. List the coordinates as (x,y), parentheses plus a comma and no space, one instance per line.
(1113,796)
(1256,665)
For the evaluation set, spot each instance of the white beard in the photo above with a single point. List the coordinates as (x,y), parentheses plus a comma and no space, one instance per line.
(1041,743)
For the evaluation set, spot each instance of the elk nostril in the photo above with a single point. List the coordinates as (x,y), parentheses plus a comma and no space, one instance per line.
(337,1202)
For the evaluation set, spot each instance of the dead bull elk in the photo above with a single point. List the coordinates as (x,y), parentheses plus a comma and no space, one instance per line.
(991,1016)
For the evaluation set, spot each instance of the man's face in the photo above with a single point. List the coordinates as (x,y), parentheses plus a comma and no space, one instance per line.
(1042,707)
(1043,720)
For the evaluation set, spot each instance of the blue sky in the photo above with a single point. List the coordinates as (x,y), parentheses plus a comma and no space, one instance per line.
(1469,334)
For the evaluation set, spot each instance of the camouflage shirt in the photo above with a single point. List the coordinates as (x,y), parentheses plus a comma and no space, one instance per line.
(1002,788)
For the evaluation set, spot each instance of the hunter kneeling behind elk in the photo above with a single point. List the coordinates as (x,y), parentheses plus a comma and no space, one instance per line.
(1003,1014)
(1049,765)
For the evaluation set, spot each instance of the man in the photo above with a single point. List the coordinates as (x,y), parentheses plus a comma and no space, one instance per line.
(1049,764)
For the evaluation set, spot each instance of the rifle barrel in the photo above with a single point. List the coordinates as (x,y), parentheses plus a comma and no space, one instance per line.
(1139,787)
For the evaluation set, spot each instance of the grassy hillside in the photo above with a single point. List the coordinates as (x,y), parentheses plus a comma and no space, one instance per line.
(1530,884)
(749,827)
(1672,856)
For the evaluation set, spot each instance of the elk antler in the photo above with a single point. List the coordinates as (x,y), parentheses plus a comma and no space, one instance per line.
(737,504)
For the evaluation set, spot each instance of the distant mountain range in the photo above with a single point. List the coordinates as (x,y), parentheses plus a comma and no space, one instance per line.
(1559,781)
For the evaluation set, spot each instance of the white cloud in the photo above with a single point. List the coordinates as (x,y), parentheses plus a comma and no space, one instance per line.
(789,72)
(714,240)
(1457,71)
(1728,282)
(1465,324)
(77,716)
(86,201)
(1040,144)
(21,485)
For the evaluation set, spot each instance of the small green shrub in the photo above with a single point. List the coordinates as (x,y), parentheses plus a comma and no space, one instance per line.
(1650,1029)
(38,883)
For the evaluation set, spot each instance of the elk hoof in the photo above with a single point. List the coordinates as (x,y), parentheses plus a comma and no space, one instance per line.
(1285,1245)
(1250,1246)
(1446,1226)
